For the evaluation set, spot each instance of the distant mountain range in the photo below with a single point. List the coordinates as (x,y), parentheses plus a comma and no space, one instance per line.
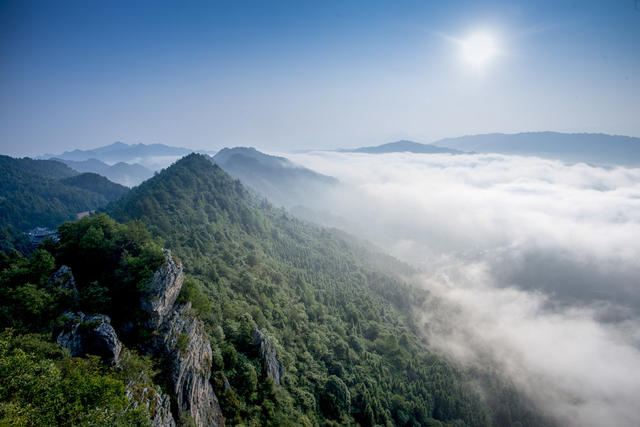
(121,172)
(152,156)
(594,148)
(402,146)
(277,178)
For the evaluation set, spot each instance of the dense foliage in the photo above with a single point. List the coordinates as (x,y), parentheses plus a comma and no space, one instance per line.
(110,261)
(335,310)
(96,184)
(39,383)
(343,325)
(45,193)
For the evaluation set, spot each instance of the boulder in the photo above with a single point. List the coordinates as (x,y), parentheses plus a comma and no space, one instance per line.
(63,278)
(91,334)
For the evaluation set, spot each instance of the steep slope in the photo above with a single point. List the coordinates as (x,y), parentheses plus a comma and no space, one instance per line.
(46,193)
(403,146)
(311,309)
(280,180)
(593,148)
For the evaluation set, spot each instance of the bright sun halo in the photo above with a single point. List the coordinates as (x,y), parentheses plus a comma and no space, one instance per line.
(479,49)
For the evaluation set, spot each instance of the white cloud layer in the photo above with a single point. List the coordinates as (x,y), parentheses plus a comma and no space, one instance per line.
(543,259)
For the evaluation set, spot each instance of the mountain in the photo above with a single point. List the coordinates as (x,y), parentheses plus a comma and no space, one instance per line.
(308,326)
(123,173)
(152,156)
(44,193)
(207,305)
(96,184)
(594,148)
(277,178)
(402,146)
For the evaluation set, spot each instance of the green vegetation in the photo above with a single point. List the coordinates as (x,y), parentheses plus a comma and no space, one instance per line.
(40,385)
(340,319)
(335,311)
(96,184)
(45,193)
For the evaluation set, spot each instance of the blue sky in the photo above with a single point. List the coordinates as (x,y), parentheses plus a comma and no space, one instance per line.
(289,75)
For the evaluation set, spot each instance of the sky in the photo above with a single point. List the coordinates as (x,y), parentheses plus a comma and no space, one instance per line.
(288,75)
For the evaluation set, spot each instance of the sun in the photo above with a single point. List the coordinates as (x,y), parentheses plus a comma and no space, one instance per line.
(478,49)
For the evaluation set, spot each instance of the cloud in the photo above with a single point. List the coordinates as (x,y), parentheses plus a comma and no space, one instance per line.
(539,259)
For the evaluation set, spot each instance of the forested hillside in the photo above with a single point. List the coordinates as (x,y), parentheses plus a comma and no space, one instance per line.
(342,323)
(283,182)
(45,193)
(307,326)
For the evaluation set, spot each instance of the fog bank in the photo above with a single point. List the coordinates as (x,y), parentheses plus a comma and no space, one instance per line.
(537,262)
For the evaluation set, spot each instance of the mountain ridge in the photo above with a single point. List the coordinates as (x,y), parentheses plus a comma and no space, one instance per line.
(402,146)
(277,178)
(595,148)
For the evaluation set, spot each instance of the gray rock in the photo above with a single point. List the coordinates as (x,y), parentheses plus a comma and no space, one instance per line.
(158,403)
(161,292)
(93,334)
(63,278)
(187,347)
(226,384)
(269,356)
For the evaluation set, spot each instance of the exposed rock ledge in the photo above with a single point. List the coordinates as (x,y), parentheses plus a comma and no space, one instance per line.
(158,403)
(93,334)
(185,344)
(180,337)
(162,291)
(63,279)
(188,349)
(269,357)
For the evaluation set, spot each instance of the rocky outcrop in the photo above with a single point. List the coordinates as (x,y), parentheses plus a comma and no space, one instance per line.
(188,350)
(157,403)
(161,292)
(63,279)
(272,366)
(93,334)
(184,343)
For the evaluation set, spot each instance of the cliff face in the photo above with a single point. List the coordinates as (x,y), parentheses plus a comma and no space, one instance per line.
(162,291)
(188,349)
(183,341)
(269,357)
(179,337)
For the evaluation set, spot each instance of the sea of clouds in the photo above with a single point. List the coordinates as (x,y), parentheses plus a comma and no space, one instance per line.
(536,264)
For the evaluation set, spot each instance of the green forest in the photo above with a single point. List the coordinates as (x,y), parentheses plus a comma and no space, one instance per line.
(338,312)
(45,193)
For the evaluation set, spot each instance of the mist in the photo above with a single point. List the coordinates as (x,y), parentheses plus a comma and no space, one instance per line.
(534,264)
